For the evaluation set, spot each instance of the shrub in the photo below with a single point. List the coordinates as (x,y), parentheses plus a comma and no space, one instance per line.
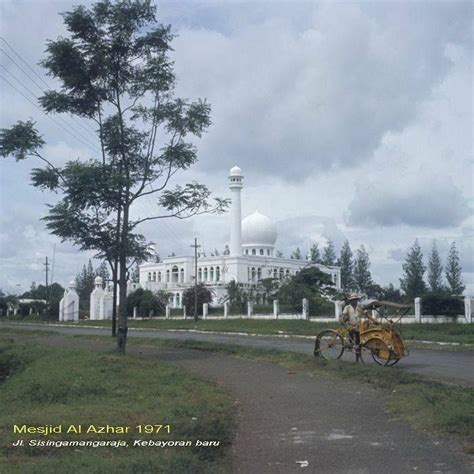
(442,306)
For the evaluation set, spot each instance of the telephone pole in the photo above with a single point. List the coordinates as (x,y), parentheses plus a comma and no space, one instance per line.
(46,265)
(195,246)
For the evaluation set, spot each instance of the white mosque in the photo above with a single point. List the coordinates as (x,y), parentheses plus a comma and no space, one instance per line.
(249,258)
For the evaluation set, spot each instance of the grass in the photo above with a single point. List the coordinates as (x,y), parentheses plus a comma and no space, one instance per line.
(427,404)
(43,385)
(447,332)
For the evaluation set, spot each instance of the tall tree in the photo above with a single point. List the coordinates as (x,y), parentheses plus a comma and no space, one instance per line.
(412,282)
(314,253)
(296,254)
(346,263)
(453,271)
(362,277)
(114,69)
(435,270)
(85,284)
(329,254)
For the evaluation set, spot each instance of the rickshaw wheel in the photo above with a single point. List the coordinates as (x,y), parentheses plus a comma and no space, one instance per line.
(329,345)
(381,354)
(392,362)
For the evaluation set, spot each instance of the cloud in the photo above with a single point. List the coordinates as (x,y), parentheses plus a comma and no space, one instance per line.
(293,102)
(424,202)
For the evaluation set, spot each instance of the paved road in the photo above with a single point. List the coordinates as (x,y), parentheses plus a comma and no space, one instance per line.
(450,366)
(292,423)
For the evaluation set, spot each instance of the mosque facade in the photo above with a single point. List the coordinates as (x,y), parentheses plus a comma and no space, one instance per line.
(249,258)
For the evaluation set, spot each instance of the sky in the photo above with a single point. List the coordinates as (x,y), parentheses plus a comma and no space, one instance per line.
(350,120)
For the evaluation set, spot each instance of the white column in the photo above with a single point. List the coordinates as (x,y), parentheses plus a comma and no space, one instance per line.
(235,184)
(167,311)
(338,309)
(418,310)
(276,308)
(134,312)
(226,310)
(205,310)
(468,308)
(305,314)
(249,308)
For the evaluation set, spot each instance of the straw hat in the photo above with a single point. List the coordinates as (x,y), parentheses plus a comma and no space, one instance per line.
(354,296)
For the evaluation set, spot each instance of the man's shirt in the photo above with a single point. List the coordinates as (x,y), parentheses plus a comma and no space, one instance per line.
(352,315)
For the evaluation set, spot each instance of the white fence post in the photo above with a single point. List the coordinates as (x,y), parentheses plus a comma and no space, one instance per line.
(338,308)
(134,312)
(276,308)
(167,311)
(205,310)
(468,308)
(184,312)
(418,310)
(226,310)
(249,308)
(305,314)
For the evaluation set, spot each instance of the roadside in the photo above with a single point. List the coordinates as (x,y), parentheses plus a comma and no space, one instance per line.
(450,366)
(291,418)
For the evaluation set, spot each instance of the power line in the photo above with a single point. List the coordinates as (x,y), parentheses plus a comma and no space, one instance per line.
(36,97)
(35,73)
(51,118)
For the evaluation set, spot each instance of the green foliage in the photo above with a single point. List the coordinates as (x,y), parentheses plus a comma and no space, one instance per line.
(329,254)
(435,271)
(314,254)
(442,306)
(346,263)
(53,295)
(310,283)
(296,254)
(453,271)
(147,303)
(204,295)
(362,277)
(20,140)
(412,282)
(237,297)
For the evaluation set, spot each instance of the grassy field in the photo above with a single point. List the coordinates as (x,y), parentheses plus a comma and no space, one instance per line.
(42,385)
(426,404)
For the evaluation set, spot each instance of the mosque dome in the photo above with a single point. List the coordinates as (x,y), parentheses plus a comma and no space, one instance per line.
(258,229)
(235,171)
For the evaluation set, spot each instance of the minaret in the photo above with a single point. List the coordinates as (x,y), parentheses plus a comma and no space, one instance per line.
(235,185)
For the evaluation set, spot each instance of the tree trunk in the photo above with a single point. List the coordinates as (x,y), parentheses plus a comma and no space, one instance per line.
(122,316)
(114,300)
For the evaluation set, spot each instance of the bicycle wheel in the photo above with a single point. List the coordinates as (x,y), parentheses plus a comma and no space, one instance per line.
(381,354)
(329,345)
(392,362)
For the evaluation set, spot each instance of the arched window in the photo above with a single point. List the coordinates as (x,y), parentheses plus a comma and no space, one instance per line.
(246,251)
(149,276)
(261,252)
(218,273)
(174,274)
(259,274)
(159,276)
(200,274)
(178,300)
(275,273)
(253,274)
(154,276)
(254,252)
(211,274)
(287,273)
(167,276)
(268,251)
(181,275)
(205,273)
(282,273)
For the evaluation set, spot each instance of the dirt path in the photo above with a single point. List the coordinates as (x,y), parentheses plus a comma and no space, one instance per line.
(292,423)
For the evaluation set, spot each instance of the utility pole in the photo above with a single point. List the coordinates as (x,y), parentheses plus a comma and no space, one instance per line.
(46,265)
(195,246)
